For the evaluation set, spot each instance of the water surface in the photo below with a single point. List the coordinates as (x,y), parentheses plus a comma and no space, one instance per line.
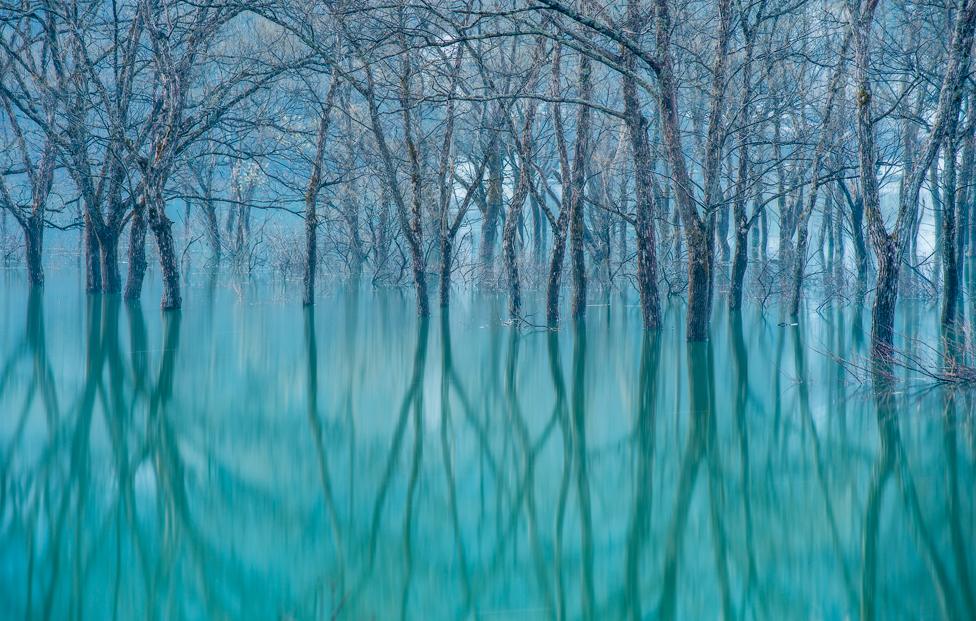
(245,459)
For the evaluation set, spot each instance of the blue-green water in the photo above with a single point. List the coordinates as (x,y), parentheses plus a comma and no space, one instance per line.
(244,459)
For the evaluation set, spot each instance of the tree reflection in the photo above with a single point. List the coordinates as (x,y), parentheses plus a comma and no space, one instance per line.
(700,429)
(644,440)
(559,488)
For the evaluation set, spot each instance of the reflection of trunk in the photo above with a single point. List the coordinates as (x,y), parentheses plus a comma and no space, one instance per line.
(872,513)
(581,461)
(701,399)
(644,436)
(950,421)
(137,251)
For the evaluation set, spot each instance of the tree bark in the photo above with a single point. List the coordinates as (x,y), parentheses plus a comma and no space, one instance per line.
(162,228)
(311,198)
(93,272)
(643,189)
(950,273)
(137,252)
(554,281)
(515,213)
(578,190)
(699,229)
(34,250)
(108,249)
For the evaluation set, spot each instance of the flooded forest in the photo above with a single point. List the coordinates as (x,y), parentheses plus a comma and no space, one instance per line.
(487,309)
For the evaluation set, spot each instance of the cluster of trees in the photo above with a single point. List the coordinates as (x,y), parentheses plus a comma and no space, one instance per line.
(667,140)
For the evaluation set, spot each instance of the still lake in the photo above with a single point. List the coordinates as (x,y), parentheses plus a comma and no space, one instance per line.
(245,459)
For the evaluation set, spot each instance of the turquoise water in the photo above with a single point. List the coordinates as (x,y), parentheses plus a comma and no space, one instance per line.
(244,459)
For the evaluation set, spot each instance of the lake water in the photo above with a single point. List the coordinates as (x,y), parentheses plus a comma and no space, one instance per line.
(244,459)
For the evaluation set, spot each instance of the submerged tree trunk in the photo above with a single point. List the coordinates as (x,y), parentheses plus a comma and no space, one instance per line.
(947,233)
(644,192)
(740,221)
(699,228)
(886,294)
(444,288)
(311,198)
(34,250)
(108,248)
(162,228)
(701,253)
(213,230)
(137,251)
(554,282)
(93,272)
(890,247)
(577,192)
(515,213)
(493,208)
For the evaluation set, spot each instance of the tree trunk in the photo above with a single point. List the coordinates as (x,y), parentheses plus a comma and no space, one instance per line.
(108,247)
(555,277)
(578,190)
(489,225)
(524,145)
(886,293)
(445,276)
(644,191)
(700,257)
(34,250)
(722,232)
(799,265)
(213,230)
(311,248)
(162,228)
(93,273)
(137,252)
(950,273)
(860,247)
(740,261)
